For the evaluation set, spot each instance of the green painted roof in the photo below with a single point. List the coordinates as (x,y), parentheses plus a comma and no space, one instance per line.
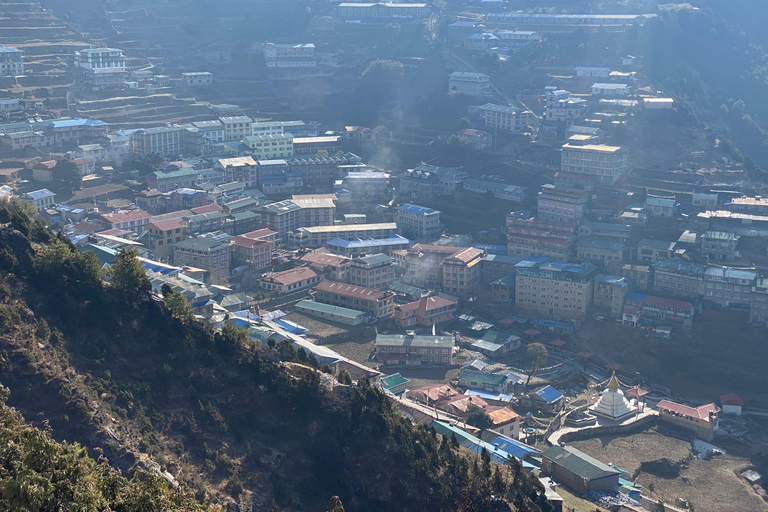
(391,381)
(491,379)
(579,463)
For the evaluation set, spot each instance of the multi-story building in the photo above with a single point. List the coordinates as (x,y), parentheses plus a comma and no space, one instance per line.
(197,78)
(379,304)
(318,236)
(497,266)
(255,253)
(268,147)
(168,141)
(422,264)
(205,252)
(320,172)
(758,303)
(505,118)
(744,204)
(316,209)
(561,108)
(21,140)
(162,234)
(660,207)
(291,280)
(562,22)
(532,236)
(604,163)
(358,247)
(414,350)
(589,131)
(561,203)
(165,181)
(205,222)
(11,61)
(418,222)
(334,267)
(704,200)
(640,275)
(499,190)
(380,12)
(600,251)
(212,130)
(592,72)
(427,311)
(553,289)
(281,217)
(462,271)
(609,292)
(659,308)
(719,245)
(428,181)
(605,231)
(610,89)
(75,130)
(236,127)
(373,271)
(287,55)
(471,84)
(651,251)
(679,278)
(100,79)
(367,185)
(729,287)
(41,199)
(133,220)
(242,169)
(100,58)
(329,144)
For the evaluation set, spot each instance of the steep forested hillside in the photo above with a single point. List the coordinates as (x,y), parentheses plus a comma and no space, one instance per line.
(120,373)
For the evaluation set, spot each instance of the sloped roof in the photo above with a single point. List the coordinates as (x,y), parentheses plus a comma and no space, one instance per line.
(391,381)
(549,394)
(579,463)
(700,413)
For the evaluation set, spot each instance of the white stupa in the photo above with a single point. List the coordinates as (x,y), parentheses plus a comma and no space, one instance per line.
(612,405)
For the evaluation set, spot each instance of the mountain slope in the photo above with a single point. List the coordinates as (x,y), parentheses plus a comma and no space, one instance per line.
(114,370)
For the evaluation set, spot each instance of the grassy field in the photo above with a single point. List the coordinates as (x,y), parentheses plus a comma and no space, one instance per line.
(712,486)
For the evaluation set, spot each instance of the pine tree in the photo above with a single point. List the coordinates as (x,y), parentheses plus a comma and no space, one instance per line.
(126,272)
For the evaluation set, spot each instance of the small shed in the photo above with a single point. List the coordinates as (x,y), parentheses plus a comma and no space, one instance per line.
(394,384)
(732,404)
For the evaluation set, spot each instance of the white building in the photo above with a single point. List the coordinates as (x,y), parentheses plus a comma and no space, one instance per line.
(604,163)
(289,55)
(561,107)
(212,130)
(592,72)
(11,61)
(600,89)
(236,127)
(501,117)
(269,147)
(197,78)
(471,84)
(100,58)
(417,222)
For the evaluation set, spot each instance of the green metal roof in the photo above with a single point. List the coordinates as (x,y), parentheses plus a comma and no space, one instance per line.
(579,463)
(720,235)
(490,379)
(391,381)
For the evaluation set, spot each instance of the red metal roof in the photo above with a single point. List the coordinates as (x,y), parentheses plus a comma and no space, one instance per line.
(349,290)
(558,343)
(531,332)
(668,303)
(585,354)
(701,412)
(731,399)
(208,208)
(613,366)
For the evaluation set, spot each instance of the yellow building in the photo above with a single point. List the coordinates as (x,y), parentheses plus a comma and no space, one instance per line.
(163,234)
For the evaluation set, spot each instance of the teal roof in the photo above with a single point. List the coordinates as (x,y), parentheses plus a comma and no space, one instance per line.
(490,379)
(181,173)
(319,307)
(392,381)
(579,463)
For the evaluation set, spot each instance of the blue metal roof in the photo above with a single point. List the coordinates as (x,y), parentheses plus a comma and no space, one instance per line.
(40,194)
(64,123)
(635,297)
(514,448)
(549,394)
(368,242)
(416,209)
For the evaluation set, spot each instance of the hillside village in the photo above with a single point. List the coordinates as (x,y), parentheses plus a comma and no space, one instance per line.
(527,277)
